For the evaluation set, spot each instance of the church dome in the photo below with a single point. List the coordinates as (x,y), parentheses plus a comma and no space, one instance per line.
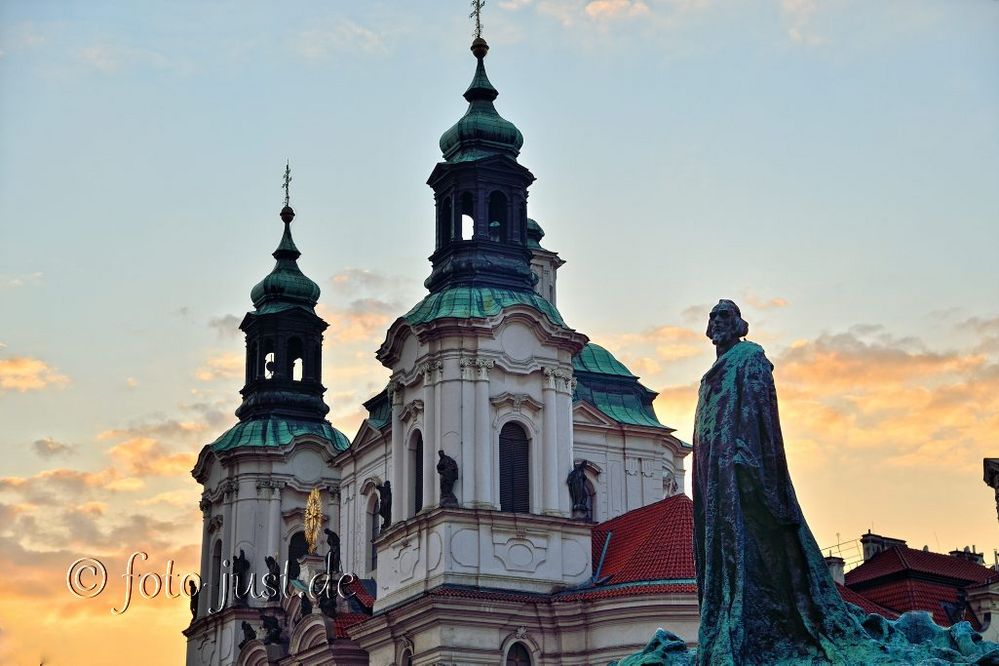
(285,286)
(481,132)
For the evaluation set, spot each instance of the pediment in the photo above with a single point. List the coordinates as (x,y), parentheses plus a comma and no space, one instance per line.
(584,413)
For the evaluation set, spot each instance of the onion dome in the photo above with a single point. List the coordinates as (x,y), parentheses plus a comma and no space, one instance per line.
(286,286)
(481,132)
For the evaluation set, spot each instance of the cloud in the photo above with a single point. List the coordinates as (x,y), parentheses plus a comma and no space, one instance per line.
(514,5)
(765,303)
(355,281)
(227,365)
(612,9)
(49,448)
(131,382)
(109,59)
(797,16)
(23,280)
(145,456)
(339,36)
(23,373)
(226,326)
(23,36)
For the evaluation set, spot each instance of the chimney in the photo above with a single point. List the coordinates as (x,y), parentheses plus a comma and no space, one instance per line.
(835,565)
(969,554)
(875,543)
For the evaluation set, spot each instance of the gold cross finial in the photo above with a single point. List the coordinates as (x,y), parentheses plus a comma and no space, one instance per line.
(476,14)
(287,182)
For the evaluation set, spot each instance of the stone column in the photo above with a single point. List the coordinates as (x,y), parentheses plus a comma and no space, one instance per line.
(549,463)
(431,438)
(485,462)
(400,483)
(470,457)
(206,554)
(273,490)
(564,448)
(230,490)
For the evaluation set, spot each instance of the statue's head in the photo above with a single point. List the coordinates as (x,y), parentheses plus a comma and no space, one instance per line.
(726,325)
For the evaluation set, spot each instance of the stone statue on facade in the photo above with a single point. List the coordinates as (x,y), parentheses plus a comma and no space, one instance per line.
(577,489)
(447,468)
(765,592)
(273,578)
(248,634)
(333,556)
(240,568)
(272,630)
(385,503)
(194,592)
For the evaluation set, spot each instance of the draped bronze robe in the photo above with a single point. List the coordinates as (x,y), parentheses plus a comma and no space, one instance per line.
(765,593)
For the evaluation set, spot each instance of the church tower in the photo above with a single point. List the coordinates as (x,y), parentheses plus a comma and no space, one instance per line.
(258,475)
(482,374)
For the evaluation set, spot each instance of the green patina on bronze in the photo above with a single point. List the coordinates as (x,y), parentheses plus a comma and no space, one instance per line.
(765,594)
(277,432)
(469,302)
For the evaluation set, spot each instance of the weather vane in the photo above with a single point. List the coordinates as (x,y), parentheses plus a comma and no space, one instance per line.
(287,182)
(476,14)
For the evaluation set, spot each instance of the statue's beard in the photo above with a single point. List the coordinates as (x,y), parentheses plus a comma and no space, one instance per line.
(722,338)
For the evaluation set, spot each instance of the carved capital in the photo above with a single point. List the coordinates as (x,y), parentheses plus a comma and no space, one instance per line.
(395,393)
(205,505)
(559,380)
(229,487)
(431,371)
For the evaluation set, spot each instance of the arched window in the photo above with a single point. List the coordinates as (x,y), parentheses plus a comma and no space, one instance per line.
(374,527)
(297,547)
(216,576)
(295,353)
(498,217)
(514,469)
(416,466)
(445,222)
(407,657)
(467,230)
(269,364)
(518,655)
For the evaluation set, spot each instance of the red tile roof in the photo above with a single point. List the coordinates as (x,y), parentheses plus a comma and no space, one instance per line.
(651,543)
(901,558)
(904,579)
(639,589)
(344,621)
(360,593)
(860,600)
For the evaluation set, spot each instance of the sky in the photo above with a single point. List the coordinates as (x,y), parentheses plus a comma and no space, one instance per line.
(831,166)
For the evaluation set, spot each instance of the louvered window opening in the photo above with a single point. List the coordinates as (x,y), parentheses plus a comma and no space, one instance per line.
(514,469)
(418,473)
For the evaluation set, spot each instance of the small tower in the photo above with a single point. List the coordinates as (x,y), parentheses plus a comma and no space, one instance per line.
(481,196)
(258,475)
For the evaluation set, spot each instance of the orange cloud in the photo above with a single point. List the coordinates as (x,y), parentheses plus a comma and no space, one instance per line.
(228,365)
(23,373)
(612,9)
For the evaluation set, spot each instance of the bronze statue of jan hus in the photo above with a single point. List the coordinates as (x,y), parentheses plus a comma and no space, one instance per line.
(765,593)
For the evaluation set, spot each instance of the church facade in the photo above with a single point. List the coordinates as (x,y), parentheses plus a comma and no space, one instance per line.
(489,507)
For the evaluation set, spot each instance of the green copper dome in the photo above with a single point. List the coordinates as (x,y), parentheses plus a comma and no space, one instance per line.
(481,132)
(286,286)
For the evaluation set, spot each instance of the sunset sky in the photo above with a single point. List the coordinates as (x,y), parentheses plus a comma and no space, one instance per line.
(832,166)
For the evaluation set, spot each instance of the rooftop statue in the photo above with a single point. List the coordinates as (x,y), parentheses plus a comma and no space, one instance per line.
(766,596)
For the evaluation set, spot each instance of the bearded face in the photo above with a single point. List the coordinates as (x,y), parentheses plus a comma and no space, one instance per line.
(725,325)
